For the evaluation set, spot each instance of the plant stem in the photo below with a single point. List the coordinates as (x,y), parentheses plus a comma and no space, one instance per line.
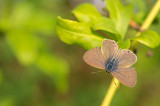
(109,95)
(147,22)
(112,89)
(151,15)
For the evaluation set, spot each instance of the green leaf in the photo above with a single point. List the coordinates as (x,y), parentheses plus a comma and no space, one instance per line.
(107,25)
(120,15)
(72,32)
(86,13)
(149,38)
(124,44)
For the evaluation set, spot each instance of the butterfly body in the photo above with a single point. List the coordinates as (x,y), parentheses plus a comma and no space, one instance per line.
(114,61)
(111,64)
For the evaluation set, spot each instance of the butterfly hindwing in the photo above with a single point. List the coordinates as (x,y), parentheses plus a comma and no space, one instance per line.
(127,76)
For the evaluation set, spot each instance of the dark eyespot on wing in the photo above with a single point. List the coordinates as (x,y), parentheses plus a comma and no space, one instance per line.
(127,76)
(94,58)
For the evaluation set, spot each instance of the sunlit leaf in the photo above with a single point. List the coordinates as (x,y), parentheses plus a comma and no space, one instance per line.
(72,32)
(120,15)
(86,13)
(105,24)
(124,44)
(149,38)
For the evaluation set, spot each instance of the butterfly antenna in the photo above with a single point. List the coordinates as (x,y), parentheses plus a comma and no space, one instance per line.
(95,72)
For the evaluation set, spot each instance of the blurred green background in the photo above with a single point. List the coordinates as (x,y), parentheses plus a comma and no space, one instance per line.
(37,69)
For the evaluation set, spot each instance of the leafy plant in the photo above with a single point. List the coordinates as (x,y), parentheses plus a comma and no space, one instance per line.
(85,31)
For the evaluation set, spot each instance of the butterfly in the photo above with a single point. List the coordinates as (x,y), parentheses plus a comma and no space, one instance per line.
(113,60)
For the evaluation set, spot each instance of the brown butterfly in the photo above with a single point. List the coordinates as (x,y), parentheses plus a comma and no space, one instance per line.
(113,60)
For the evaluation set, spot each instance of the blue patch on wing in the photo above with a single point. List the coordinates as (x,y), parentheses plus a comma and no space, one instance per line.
(111,64)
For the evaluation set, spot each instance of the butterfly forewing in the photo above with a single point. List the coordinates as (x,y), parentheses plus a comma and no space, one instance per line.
(126,58)
(108,48)
(94,58)
(127,76)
